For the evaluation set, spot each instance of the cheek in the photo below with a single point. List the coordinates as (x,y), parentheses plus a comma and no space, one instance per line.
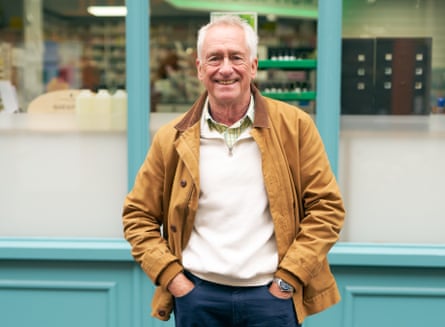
(205,72)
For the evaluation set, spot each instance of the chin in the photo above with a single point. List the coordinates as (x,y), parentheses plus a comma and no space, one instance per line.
(226,96)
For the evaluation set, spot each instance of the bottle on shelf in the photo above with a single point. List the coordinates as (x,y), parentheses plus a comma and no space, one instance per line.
(119,110)
(102,110)
(84,110)
(437,117)
(439,108)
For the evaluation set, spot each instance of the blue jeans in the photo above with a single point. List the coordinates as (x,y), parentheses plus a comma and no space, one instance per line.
(214,305)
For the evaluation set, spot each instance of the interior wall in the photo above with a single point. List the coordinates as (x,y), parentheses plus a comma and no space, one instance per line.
(397,18)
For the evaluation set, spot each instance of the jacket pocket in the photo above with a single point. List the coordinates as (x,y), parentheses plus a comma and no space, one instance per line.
(319,285)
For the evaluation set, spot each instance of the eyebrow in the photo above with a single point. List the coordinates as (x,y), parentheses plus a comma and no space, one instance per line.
(231,53)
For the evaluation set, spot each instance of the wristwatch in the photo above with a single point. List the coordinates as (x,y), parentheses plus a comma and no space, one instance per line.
(284,287)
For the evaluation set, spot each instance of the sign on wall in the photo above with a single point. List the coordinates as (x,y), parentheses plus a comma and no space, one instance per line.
(249,17)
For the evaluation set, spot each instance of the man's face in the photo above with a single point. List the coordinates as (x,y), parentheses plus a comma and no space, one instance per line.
(225,68)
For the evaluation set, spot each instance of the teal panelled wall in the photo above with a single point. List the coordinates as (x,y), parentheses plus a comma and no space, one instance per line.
(95,282)
(386,285)
(78,282)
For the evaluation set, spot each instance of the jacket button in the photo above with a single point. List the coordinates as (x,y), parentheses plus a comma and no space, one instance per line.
(183,183)
(161,313)
(173,229)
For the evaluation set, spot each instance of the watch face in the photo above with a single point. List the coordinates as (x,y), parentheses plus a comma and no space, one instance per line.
(285,287)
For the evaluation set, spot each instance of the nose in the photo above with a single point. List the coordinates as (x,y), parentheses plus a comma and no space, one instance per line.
(226,65)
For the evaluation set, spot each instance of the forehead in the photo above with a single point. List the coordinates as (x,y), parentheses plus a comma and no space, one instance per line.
(225,38)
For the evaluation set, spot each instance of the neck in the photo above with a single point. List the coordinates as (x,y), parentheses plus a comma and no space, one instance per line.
(228,114)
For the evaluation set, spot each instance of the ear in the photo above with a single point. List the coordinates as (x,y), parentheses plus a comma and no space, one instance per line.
(254,67)
(199,70)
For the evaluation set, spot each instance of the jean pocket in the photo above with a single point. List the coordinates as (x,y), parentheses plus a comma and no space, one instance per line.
(183,296)
(285,297)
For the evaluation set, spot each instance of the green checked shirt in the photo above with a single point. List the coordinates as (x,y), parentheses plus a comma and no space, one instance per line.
(231,133)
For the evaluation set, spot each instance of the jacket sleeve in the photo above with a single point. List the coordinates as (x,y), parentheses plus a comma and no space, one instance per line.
(320,205)
(143,217)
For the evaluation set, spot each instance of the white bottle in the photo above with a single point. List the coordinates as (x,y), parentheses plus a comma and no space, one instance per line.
(84,110)
(102,110)
(119,111)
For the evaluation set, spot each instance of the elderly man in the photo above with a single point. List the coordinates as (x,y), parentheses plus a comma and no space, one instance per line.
(235,208)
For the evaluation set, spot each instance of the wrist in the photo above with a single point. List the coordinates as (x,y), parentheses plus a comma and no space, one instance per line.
(283,285)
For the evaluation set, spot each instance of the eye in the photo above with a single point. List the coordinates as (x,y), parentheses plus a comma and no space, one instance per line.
(213,60)
(237,59)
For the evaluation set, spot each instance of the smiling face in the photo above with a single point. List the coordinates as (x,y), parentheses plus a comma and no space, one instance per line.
(225,67)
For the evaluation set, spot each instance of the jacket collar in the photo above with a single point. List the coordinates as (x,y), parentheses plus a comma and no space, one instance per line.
(194,114)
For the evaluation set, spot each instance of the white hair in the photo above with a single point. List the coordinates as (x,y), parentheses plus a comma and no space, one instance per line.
(230,20)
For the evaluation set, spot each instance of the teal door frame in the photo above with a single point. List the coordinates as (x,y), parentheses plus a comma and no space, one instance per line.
(138,84)
(138,80)
(329,29)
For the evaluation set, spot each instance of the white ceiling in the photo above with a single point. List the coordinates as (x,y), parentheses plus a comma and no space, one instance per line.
(77,8)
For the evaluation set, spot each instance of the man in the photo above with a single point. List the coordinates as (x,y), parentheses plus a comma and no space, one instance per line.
(235,208)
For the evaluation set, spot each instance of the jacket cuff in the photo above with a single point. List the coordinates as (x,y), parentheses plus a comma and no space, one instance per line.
(166,276)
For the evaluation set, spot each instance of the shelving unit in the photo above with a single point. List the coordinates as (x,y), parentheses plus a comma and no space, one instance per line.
(288,64)
(289,92)
(292,96)
(107,49)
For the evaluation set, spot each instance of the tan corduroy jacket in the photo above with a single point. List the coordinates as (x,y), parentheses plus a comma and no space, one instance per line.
(305,202)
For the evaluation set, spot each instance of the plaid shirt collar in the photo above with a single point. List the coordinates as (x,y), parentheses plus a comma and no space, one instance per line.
(240,125)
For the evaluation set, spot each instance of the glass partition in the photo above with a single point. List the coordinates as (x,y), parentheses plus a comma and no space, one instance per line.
(287,53)
(393,128)
(62,120)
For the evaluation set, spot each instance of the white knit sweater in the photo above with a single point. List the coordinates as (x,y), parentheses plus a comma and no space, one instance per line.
(233,240)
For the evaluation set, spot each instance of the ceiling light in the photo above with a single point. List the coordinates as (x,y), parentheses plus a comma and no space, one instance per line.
(107,11)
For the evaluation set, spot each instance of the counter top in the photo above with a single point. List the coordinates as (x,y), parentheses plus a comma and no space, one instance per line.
(66,122)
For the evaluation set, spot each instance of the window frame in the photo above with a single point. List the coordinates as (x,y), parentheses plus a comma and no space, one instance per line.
(138,84)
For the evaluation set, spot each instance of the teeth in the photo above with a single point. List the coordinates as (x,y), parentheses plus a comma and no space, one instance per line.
(227,82)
